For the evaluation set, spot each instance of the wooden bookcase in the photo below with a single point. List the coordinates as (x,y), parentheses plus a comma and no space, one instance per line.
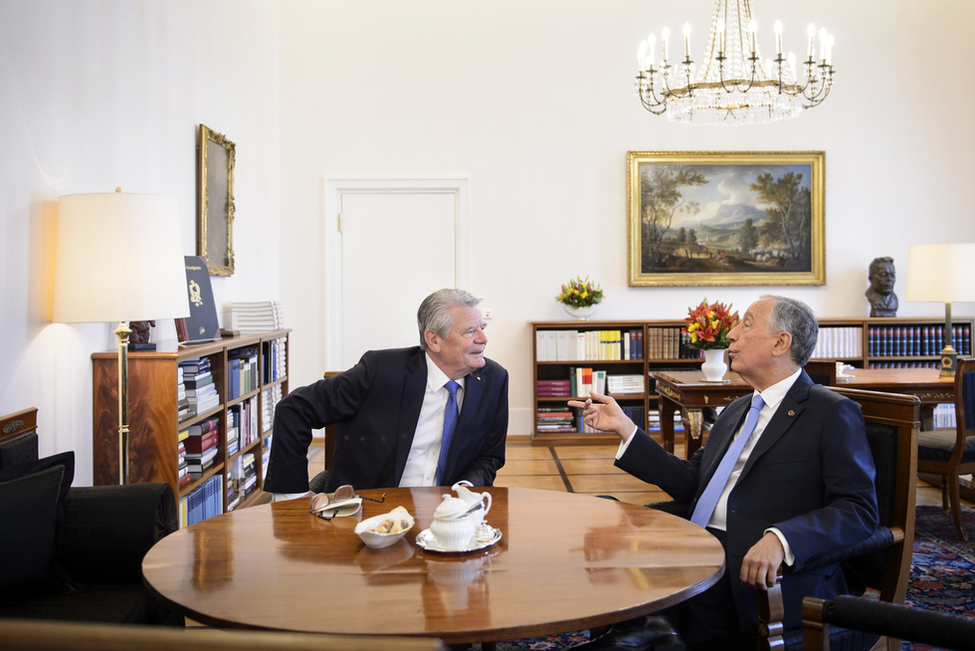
(846,340)
(154,423)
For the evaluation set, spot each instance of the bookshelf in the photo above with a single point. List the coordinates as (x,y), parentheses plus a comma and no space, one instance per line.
(249,374)
(559,349)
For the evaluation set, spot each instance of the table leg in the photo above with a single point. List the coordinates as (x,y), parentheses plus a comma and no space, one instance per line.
(693,426)
(667,407)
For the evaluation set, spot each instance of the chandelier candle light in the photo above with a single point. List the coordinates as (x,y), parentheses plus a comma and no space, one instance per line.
(733,85)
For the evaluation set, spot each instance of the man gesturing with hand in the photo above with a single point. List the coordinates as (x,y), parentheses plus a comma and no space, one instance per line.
(786,477)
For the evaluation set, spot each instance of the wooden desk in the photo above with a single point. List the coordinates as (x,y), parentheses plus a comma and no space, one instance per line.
(566,562)
(686,391)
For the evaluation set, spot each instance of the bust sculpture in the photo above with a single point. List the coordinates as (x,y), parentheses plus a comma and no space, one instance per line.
(883,300)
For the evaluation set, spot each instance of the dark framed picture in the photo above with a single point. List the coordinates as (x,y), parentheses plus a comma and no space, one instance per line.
(726,218)
(215,218)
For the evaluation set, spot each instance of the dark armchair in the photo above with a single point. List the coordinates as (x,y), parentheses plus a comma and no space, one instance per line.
(883,561)
(950,453)
(99,538)
(941,630)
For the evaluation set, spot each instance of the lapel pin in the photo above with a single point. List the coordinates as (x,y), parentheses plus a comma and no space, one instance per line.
(792,413)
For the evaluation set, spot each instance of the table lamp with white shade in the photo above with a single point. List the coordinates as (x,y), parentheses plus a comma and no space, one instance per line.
(942,273)
(119,258)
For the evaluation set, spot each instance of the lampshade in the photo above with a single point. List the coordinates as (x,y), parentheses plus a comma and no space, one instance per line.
(941,273)
(119,258)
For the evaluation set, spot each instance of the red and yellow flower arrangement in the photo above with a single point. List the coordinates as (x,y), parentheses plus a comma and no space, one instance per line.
(708,324)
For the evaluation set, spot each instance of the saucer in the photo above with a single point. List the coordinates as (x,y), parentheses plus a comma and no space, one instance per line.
(721,381)
(485,536)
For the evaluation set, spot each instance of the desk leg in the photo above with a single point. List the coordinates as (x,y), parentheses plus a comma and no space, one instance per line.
(927,417)
(693,427)
(667,408)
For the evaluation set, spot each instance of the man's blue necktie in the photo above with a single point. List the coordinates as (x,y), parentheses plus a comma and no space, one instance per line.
(709,498)
(449,425)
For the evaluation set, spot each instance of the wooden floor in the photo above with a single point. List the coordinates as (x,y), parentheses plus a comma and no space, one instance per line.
(586,469)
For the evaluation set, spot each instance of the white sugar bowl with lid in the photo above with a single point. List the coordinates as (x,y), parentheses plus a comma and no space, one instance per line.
(457,518)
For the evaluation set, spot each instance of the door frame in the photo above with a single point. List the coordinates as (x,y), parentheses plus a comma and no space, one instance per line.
(334,190)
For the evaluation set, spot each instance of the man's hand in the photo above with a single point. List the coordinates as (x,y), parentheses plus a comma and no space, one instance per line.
(762,562)
(603,413)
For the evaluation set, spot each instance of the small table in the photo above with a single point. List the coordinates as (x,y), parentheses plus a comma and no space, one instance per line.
(688,392)
(565,562)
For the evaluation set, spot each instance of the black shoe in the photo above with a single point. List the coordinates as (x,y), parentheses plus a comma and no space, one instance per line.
(642,634)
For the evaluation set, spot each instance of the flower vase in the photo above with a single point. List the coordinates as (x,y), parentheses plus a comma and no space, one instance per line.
(714,366)
(580,313)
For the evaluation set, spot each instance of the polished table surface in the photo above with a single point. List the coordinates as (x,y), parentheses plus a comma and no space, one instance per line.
(687,391)
(565,562)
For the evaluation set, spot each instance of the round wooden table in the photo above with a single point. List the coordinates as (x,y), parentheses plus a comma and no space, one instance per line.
(565,562)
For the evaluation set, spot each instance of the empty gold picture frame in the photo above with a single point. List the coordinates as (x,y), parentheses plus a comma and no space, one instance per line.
(215,218)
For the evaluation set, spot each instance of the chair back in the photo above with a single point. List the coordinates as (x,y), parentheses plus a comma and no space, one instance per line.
(821,372)
(882,562)
(18,438)
(892,424)
(964,406)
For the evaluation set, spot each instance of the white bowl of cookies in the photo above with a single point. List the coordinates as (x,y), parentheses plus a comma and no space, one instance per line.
(385,530)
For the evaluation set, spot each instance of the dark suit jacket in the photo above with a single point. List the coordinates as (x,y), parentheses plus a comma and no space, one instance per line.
(376,405)
(811,475)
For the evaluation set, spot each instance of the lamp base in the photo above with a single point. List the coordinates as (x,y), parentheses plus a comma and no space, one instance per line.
(949,361)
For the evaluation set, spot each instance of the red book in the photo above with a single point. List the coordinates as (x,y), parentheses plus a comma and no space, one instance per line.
(197,444)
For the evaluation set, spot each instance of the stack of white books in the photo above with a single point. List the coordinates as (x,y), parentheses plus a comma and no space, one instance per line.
(248,317)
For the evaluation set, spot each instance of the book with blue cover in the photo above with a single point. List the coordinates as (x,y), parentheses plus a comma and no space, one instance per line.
(201,325)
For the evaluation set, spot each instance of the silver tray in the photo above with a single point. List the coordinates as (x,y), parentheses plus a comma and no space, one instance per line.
(484,537)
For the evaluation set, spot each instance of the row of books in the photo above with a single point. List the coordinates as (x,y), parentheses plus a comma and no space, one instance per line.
(275,361)
(653,421)
(588,345)
(668,342)
(839,342)
(196,379)
(272,396)
(944,416)
(916,341)
(204,502)
(928,364)
(582,380)
(253,317)
(199,443)
(242,371)
(242,420)
(556,419)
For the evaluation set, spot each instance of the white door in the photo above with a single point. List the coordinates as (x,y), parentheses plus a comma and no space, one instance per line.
(396,242)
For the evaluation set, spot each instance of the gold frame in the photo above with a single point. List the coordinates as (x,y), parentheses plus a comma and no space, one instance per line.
(211,174)
(812,274)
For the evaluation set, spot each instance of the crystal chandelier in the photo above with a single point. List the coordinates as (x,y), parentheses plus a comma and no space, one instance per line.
(733,86)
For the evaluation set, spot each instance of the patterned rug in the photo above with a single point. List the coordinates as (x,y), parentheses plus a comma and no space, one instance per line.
(942,578)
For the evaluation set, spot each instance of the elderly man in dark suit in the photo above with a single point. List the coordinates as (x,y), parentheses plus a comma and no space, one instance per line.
(396,408)
(799,484)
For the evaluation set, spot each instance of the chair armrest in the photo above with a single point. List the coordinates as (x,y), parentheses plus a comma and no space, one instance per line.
(895,621)
(107,530)
(881,539)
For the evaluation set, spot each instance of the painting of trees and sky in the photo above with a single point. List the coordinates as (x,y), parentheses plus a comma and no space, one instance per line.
(725,218)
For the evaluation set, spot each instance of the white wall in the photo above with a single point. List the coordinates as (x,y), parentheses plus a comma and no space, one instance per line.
(99,94)
(535,101)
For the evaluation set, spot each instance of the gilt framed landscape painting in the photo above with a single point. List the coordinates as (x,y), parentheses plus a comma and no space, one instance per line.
(726,218)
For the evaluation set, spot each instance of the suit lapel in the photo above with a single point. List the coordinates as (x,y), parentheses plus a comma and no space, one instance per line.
(788,413)
(414,387)
(719,441)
